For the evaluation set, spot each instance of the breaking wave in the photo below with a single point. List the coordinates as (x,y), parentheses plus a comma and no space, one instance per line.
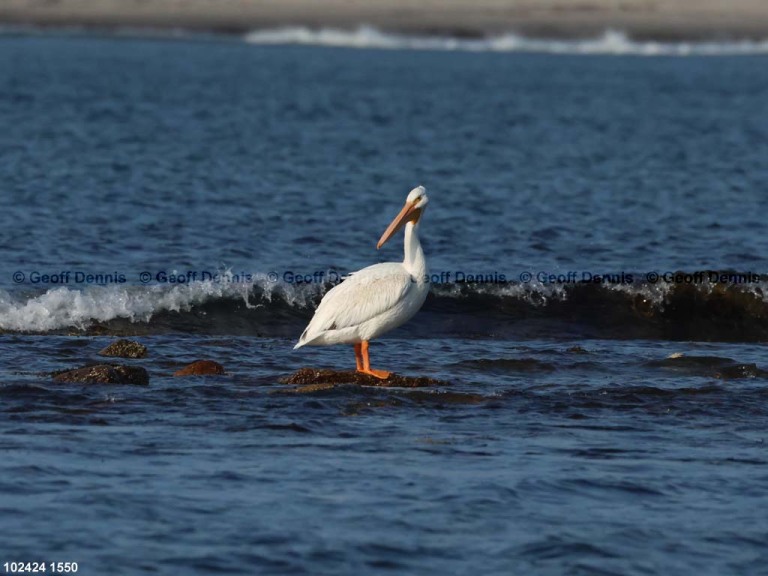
(707,311)
(611,42)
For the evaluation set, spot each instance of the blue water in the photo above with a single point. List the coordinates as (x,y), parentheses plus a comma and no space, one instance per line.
(567,442)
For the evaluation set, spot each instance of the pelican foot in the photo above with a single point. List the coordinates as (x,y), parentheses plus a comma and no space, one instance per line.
(380,374)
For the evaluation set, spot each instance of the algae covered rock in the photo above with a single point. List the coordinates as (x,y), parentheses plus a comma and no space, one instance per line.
(125,349)
(104,374)
(319,377)
(201,368)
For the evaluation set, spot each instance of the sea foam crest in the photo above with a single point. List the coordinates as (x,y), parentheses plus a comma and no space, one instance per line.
(64,307)
(610,42)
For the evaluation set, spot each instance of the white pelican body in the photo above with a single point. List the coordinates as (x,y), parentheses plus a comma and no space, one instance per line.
(378,298)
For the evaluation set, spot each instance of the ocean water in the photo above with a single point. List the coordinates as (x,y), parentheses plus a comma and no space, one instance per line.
(598,312)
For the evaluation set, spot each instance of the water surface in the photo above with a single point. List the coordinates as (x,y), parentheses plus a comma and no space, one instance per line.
(568,440)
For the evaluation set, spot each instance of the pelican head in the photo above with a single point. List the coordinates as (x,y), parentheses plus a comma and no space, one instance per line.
(414,206)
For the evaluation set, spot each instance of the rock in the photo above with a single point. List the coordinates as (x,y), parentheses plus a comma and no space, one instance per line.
(442,397)
(201,368)
(420,397)
(396,391)
(104,374)
(307,389)
(576,350)
(736,371)
(709,366)
(125,349)
(323,378)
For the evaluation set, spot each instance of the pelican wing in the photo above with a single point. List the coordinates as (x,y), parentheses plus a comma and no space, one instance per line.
(359,298)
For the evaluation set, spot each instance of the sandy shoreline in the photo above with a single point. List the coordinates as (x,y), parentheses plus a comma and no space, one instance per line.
(641,19)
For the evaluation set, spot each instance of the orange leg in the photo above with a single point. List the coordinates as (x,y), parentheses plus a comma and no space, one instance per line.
(361,355)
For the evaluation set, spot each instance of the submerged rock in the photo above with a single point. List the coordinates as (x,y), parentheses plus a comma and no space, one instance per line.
(709,366)
(577,350)
(125,349)
(104,374)
(323,379)
(201,368)
(736,371)
(308,388)
(416,397)
(433,397)
(395,391)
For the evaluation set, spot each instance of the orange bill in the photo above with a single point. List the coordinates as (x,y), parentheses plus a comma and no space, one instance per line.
(409,213)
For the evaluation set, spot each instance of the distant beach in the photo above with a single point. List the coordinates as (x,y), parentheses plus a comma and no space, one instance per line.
(665,20)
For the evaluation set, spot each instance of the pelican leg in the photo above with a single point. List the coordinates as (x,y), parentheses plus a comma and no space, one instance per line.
(359,356)
(366,369)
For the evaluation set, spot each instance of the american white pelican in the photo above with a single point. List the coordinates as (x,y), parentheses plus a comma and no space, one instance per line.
(378,298)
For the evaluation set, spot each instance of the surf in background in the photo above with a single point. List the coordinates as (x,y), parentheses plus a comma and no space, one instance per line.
(610,42)
(712,306)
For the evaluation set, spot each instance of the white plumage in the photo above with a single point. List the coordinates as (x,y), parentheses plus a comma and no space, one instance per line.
(378,298)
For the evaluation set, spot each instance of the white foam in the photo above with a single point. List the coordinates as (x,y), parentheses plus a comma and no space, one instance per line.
(65,307)
(534,293)
(611,42)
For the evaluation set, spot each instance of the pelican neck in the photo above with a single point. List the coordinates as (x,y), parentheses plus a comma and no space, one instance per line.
(414,260)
